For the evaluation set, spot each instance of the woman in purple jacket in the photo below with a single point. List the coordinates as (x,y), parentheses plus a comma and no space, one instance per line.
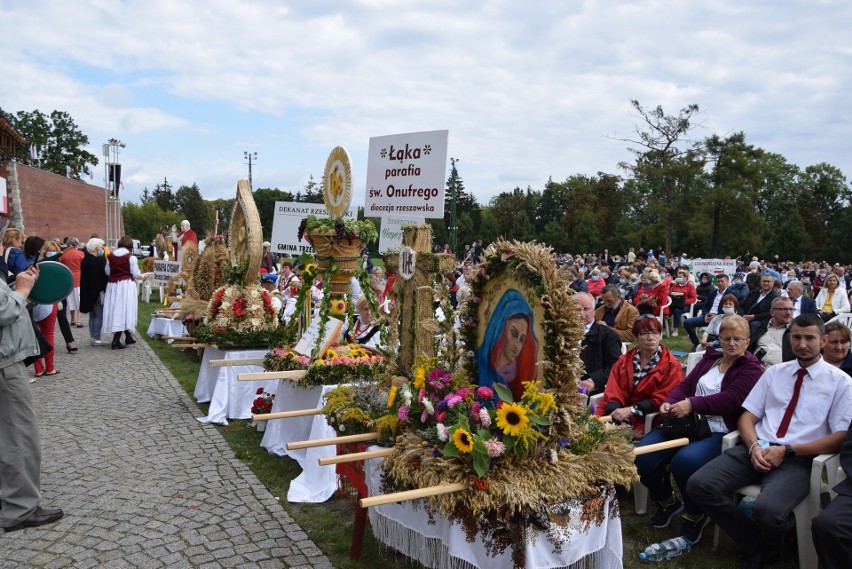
(717,388)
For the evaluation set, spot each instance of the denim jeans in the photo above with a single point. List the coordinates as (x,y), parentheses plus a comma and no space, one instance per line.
(690,324)
(781,489)
(683,462)
(96,319)
(677,314)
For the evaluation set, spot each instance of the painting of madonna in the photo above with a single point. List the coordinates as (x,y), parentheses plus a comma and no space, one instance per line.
(509,349)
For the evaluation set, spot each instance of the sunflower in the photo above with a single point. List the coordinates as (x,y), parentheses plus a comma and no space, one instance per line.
(512,418)
(330,354)
(463,440)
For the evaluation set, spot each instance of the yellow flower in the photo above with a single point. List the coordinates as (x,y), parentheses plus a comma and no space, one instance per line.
(419,378)
(392,396)
(541,403)
(512,418)
(463,440)
(319,362)
(330,354)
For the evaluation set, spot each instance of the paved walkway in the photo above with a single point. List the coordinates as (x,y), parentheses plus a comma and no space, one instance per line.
(142,483)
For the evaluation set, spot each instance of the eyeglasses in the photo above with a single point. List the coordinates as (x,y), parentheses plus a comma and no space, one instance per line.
(645,317)
(731,340)
(782,309)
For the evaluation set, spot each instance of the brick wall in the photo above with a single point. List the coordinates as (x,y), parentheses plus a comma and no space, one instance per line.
(50,205)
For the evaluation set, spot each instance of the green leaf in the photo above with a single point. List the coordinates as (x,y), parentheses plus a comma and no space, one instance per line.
(450,449)
(509,441)
(484,433)
(481,464)
(537,420)
(503,393)
(463,422)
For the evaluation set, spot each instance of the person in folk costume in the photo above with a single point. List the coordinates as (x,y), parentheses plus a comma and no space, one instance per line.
(365,328)
(120,307)
(290,302)
(269,282)
(286,279)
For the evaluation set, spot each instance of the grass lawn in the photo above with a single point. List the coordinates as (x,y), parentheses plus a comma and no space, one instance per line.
(329,525)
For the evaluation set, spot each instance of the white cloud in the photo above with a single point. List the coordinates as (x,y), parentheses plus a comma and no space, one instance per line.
(527,91)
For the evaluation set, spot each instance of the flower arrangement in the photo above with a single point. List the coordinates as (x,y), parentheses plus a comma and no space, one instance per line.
(357,408)
(245,308)
(341,364)
(263,403)
(348,230)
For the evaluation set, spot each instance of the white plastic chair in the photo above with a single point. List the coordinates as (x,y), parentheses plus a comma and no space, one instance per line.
(844,318)
(664,323)
(806,510)
(692,360)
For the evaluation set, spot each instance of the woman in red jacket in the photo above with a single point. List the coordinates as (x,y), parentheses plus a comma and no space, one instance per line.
(683,296)
(642,378)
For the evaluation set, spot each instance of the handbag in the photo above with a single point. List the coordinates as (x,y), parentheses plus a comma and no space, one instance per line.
(693,427)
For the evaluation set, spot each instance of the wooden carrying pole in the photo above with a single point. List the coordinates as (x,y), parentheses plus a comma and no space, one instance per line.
(294,375)
(333,441)
(229,363)
(355,456)
(458,486)
(179,338)
(286,414)
(184,346)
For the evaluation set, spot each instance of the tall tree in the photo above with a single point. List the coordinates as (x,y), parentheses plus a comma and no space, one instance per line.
(311,193)
(163,196)
(58,140)
(662,140)
(144,221)
(194,209)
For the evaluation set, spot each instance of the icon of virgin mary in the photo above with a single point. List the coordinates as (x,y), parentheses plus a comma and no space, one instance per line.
(509,349)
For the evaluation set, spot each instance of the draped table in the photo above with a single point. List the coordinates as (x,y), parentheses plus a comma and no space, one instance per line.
(228,397)
(161,326)
(316,483)
(589,537)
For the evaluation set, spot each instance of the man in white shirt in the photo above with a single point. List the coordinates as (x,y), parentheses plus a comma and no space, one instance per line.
(770,342)
(796,411)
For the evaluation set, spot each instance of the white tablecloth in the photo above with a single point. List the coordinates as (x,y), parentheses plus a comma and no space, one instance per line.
(316,483)
(166,327)
(229,398)
(443,545)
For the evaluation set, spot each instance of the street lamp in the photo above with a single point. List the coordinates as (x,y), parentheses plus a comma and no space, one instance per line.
(250,156)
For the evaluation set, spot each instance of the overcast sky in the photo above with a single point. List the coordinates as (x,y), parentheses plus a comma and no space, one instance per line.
(527,90)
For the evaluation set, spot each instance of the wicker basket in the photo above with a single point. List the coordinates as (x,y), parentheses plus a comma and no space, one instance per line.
(326,245)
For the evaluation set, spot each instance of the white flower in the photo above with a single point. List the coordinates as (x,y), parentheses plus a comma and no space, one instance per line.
(342,427)
(554,456)
(428,405)
(484,418)
(442,432)
(255,322)
(406,395)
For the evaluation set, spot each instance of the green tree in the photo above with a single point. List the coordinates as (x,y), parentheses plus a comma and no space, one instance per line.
(311,193)
(223,208)
(662,140)
(144,221)
(194,209)
(59,141)
(823,200)
(163,196)
(733,182)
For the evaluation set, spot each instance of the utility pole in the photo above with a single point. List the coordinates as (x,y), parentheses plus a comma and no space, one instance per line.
(248,156)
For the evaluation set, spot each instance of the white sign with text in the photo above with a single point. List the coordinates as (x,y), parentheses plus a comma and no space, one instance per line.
(390,237)
(285,225)
(165,270)
(406,174)
(714,266)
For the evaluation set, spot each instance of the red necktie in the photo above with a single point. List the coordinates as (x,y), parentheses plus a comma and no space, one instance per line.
(788,414)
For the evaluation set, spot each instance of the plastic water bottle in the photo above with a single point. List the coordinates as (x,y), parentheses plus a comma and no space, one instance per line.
(665,550)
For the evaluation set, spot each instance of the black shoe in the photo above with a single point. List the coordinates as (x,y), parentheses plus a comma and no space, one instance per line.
(70,349)
(117,345)
(663,514)
(40,517)
(692,530)
(128,339)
